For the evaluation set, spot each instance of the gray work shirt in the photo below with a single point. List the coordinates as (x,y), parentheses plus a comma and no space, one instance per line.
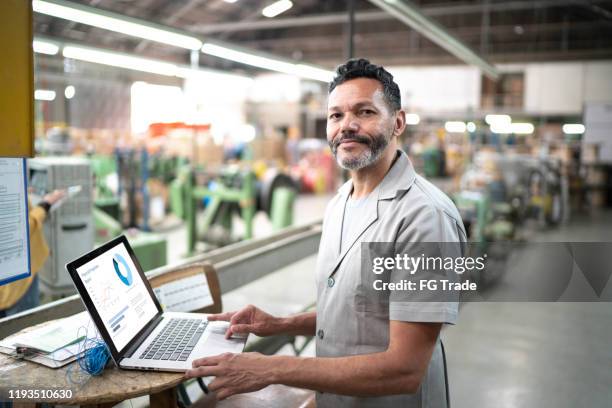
(404,207)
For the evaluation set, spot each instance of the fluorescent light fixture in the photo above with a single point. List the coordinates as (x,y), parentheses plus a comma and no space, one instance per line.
(114,59)
(498,119)
(300,70)
(230,1)
(521,128)
(190,73)
(44,47)
(308,71)
(69,92)
(471,127)
(516,128)
(120,60)
(277,8)
(44,95)
(502,128)
(455,127)
(573,128)
(114,22)
(412,119)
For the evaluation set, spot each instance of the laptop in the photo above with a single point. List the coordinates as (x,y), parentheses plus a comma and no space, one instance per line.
(128,316)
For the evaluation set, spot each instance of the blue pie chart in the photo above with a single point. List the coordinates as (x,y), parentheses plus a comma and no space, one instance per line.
(120,264)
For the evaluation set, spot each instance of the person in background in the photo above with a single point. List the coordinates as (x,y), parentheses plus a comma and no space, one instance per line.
(23,294)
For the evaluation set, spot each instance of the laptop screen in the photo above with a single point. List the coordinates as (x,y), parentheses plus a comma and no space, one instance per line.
(118,293)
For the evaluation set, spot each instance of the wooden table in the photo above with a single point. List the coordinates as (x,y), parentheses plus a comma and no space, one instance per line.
(116,385)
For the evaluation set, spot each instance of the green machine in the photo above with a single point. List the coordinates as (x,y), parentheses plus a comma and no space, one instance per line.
(151,249)
(225,194)
(106,200)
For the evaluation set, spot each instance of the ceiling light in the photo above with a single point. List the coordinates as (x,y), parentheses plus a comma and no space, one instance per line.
(502,128)
(471,127)
(44,95)
(277,8)
(300,70)
(204,74)
(412,119)
(69,92)
(120,60)
(114,22)
(44,47)
(230,1)
(308,71)
(573,128)
(521,128)
(455,127)
(498,119)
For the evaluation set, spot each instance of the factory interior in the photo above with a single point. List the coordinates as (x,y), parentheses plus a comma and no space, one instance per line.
(197,129)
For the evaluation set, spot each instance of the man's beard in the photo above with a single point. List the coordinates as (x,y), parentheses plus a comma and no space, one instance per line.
(375,147)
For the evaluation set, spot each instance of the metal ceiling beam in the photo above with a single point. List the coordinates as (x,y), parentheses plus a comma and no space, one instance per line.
(410,15)
(367,16)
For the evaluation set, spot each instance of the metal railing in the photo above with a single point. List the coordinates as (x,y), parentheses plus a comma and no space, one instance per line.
(236,265)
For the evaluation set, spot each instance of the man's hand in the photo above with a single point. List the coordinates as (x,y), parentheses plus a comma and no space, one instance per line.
(235,373)
(54,196)
(249,319)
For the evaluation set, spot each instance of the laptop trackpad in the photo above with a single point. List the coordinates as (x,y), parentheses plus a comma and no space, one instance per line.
(216,343)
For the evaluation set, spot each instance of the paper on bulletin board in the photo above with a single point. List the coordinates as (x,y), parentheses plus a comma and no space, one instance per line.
(185,295)
(14,225)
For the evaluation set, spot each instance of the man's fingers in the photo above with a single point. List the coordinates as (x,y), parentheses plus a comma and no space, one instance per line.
(223,394)
(204,371)
(241,328)
(221,316)
(216,384)
(241,315)
(209,361)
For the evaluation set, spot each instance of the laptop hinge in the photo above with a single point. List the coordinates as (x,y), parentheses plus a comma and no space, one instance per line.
(143,336)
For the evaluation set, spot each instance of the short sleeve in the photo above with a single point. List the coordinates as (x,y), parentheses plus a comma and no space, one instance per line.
(431,236)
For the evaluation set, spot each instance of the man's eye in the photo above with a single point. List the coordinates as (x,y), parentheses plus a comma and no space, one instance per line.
(366,112)
(334,116)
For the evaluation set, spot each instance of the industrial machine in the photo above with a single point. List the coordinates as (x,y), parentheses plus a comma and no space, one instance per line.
(220,196)
(69,230)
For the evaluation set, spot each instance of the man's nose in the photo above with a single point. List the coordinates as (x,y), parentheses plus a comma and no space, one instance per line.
(349,124)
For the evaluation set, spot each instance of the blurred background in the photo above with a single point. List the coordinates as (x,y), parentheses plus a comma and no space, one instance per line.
(191,125)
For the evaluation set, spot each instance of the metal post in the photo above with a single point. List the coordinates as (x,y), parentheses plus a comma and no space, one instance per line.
(351,29)
(190,214)
(484,29)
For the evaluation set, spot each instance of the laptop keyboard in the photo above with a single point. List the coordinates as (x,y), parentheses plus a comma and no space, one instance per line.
(176,341)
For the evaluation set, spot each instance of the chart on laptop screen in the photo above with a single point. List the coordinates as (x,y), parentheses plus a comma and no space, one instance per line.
(118,293)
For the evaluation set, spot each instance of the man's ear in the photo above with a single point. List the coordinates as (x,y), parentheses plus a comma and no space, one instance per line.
(400,123)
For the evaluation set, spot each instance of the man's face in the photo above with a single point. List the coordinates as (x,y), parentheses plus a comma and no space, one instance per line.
(360,124)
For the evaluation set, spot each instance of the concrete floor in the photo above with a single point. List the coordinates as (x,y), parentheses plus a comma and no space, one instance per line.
(512,354)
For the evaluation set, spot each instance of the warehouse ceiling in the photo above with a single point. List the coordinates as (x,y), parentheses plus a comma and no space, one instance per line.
(316,31)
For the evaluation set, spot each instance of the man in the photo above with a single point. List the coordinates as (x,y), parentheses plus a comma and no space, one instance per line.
(371,350)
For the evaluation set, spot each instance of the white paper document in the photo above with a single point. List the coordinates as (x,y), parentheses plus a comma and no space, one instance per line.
(14,226)
(77,327)
(185,295)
